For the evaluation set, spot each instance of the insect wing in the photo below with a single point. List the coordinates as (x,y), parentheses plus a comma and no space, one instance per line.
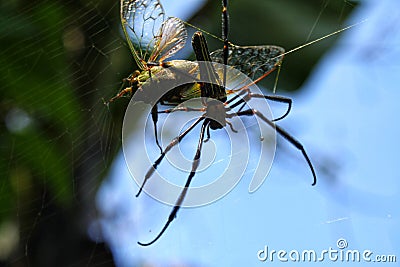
(254,61)
(171,38)
(141,21)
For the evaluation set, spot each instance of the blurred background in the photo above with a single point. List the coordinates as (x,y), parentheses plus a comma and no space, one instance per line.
(67,198)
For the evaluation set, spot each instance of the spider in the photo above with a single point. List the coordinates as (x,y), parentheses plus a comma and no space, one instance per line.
(150,51)
(217,110)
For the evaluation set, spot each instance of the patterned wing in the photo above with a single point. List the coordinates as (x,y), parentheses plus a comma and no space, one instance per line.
(254,61)
(141,21)
(171,38)
(150,37)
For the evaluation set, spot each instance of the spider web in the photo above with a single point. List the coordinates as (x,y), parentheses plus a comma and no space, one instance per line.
(59,62)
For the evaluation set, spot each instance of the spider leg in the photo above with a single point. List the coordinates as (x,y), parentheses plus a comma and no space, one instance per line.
(231,126)
(276,98)
(208,134)
(181,109)
(154,116)
(282,132)
(242,92)
(195,164)
(245,90)
(174,142)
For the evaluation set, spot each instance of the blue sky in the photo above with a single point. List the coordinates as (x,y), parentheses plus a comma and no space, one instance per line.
(346,117)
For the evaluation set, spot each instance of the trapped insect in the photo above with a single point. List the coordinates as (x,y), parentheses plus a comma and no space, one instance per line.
(153,39)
